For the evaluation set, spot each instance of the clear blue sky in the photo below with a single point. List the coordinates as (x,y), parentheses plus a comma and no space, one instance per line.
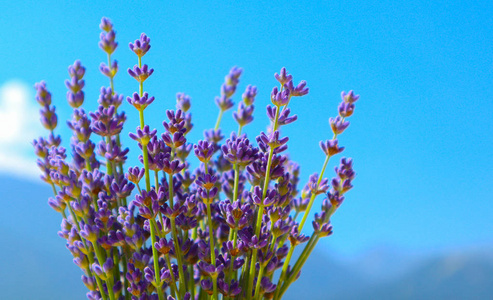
(422,133)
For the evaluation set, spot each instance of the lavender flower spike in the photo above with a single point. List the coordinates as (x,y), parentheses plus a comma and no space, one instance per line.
(224,227)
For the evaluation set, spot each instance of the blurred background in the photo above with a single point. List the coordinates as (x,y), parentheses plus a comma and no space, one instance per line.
(419,222)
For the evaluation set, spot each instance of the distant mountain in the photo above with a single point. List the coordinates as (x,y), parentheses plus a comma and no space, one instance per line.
(459,275)
(452,276)
(34,263)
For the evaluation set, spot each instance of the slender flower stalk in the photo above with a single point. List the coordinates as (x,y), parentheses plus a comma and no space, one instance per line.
(221,230)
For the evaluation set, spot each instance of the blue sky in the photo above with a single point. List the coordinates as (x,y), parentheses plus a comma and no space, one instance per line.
(422,133)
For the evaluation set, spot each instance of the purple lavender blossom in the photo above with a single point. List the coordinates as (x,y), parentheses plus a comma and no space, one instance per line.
(175,228)
(140,74)
(141,46)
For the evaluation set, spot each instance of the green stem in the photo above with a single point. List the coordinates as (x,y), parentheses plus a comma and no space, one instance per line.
(211,241)
(219,118)
(89,256)
(298,266)
(259,279)
(191,282)
(314,195)
(181,278)
(155,257)
(148,188)
(173,281)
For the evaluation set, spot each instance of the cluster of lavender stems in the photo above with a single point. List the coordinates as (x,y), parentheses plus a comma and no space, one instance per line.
(226,229)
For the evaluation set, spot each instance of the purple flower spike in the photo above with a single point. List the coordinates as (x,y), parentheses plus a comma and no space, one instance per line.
(49,119)
(164,246)
(272,141)
(182,102)
(140,74)
(107,41)
(135,174)
(346,109)
(224,103)
(141,46)
(43,96)
(244,115)
(173,167)
(214,136)
(331,147)
(267,286)
(107,98)
(299,90)
(106,24)
(205,225)
(249,95)
(75,85)
(279,98)
(75,100)
(338,125)
(349,97)
(76,70)
(284,118)
(140,103)
(109,71)
(239,150)
(283,77)
(204,151)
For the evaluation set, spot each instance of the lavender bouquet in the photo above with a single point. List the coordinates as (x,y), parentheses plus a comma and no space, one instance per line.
(163,230)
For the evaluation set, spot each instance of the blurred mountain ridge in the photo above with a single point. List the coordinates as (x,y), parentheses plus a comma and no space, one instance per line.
(36,265)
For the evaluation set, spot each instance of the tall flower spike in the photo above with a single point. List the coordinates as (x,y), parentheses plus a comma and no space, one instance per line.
(186,230)
(107,41)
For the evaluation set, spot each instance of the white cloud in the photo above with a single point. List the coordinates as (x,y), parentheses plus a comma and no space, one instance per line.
(19,125)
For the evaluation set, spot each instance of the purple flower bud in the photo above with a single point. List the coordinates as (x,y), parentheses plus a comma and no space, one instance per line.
(279,98)
(140,74)
(164,246)
(43,96)
(346,109)
(299,90)
(106,24)
(284,118)
(338,125)
(107,98)
(283,77)
(244,115)
(224,103)
(214,136)
(349,97)
(107,41)
(267,286)
(172,167)
(331,147)
(207,181)
(141,46)
(143,136)
(204,151)
(176,121)
(249,95)
(49,119)
(182,102)
(109,70)
(272,142)
(238,150)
